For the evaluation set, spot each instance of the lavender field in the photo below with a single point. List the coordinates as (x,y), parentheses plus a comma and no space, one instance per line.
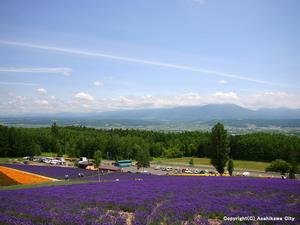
(89,175)
(156,200)
(52,171)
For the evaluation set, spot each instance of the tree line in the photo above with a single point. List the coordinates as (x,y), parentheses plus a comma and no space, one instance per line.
(76,141)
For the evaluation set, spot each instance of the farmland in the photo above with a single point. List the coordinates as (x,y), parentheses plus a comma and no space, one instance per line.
(6,181)
(184,161)
(152,200)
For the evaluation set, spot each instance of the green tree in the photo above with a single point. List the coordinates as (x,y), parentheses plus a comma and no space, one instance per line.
(4,142)
(293,170)
(219,147)
(279,165)
(143,158)
(114,146)
(191,162)
(54,130)
(230,167)
(97,161)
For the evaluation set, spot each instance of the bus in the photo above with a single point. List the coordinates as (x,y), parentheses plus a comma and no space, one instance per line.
(123,163)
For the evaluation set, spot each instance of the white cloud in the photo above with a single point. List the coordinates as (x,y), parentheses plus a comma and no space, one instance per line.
(52,97)
(58,70)
(42,102)
(226,95)
(98,83)
(202,71)
(84,102)
(20,98)
(272,99)
(41,90)
(223,81)
(83,96)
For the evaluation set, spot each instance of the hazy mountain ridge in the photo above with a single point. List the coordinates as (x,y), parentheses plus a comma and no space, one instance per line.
(184,113)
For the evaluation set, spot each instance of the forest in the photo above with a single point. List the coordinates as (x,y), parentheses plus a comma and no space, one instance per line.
(76,141)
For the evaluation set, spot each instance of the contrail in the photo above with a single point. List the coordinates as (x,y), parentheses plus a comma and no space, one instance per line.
(18,83)
(59,70)
(135,60)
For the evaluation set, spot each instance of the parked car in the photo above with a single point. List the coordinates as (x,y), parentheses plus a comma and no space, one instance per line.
(55,162)
(169,168)
(188,171)
(212,173)
(47,160)
(157,168)
(246,174)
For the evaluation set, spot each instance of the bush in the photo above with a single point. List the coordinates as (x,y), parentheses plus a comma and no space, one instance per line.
(279,165)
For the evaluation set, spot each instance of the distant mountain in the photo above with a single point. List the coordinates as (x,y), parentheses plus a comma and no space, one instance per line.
(186,113)
(203,113)
(279,113)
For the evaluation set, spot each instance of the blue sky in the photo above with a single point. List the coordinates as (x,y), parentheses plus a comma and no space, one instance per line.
(59,56)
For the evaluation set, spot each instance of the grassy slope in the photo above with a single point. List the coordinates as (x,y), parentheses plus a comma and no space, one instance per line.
(240,164)
(6,181)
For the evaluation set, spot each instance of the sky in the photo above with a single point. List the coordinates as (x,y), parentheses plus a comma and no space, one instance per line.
(103,55)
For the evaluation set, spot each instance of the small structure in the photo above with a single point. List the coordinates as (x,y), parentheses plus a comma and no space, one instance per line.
(106,169)
(84,162)
(123,163)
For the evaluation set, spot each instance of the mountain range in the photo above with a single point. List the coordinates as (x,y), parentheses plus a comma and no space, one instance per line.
(184,113)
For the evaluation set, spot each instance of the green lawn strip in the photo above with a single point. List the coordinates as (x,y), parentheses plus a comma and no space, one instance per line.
(239,164)
(8,159)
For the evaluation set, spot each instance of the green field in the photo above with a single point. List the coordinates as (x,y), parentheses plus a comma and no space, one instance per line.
(8,159)
(239,164)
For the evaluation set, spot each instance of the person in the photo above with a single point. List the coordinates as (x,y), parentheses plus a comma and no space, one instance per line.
(66,177)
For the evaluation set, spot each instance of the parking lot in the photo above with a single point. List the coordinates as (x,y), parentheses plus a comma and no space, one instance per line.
(159,169)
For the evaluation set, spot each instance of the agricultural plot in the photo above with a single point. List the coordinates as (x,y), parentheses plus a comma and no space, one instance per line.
(6,181)
(52,171)
(89,175)
(155,200)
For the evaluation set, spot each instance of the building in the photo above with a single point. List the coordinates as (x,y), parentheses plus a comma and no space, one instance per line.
(123,163)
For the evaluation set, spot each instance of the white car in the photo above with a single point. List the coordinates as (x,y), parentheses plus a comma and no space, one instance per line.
(246,174)
(169,168)
(47,160)
(55,162)
(188,171)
